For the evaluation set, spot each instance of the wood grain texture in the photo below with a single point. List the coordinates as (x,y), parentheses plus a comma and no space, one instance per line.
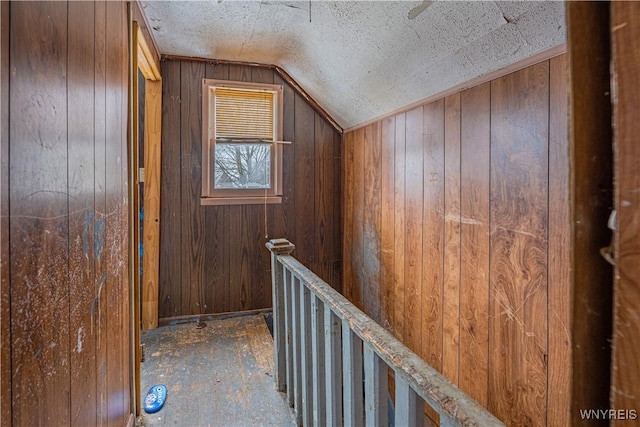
(347,204)
(212,258)
(519,214)
(39,213)
(588,58)
(387,222)
(192,252)
(625,387)
(399,294)
(433,234)
(170,303)
(371,232)
(81,130)
(451,245)
(151,238)
(472,179)
(475,134)
(559,385)
(357,226)
(414,194)
(69,338)
(5,277)
(216,274)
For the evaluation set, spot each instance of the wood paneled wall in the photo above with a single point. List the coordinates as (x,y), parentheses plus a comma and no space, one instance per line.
(212,258)
(456,238)
(65,305)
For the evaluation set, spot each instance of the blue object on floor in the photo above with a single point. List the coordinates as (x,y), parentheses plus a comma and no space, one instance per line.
(155,398)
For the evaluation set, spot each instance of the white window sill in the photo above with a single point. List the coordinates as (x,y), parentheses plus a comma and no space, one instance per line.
(253,200)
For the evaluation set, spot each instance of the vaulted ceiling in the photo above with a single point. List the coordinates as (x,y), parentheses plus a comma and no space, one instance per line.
(362,59)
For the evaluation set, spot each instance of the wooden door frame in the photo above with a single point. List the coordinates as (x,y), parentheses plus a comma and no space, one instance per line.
(143,57)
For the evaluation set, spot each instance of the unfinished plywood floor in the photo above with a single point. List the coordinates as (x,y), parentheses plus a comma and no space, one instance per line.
(221,375)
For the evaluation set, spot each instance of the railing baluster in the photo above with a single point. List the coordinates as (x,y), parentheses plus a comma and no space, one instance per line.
(305,355)
(352,377)
(375,388)
(317,352)
(333,364)
(297,375)
(409,407)
(288,324)
(279,247)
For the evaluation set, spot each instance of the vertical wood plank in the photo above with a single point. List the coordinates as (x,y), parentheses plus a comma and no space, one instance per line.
(358,219)
(559,384)
(318,362)
(475,134)
(99,306)
(333,364)
(324,198)
(451,262)
(283,221)
(625,388)
(399,229)
(352,377)
(217,236)
(170,303)
(409,407)
(5,285)
(519,225)
(82,331)
(348,206)
(371,233)
(414,194)
(192,73)
(304,140)
(433,235)
(151,238)
(376,388)
(387,225)
(115,234)
(39,214)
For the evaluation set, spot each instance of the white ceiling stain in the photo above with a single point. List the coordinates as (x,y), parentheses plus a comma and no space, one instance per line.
(362,59)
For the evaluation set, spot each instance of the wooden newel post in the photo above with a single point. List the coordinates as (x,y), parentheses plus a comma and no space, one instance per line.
(279,247)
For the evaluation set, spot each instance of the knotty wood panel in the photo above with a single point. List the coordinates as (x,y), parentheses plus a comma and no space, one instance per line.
(625,387)
(212,258)
(67,256)
(474,245)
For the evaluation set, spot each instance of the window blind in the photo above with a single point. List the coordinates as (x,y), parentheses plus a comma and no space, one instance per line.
(244,114)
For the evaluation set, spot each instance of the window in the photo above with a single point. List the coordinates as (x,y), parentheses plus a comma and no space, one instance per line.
(241,150)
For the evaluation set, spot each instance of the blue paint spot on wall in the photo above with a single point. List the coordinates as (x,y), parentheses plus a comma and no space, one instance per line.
(88,222)
(98,237)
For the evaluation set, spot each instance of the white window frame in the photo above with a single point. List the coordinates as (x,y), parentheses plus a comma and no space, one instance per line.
(238,196)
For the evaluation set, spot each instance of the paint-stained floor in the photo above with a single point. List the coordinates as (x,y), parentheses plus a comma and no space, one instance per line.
(220,375)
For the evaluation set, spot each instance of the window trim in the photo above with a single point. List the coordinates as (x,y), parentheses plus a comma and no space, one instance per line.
(212,196)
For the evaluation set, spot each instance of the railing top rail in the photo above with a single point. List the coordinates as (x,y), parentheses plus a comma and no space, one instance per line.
(428,383)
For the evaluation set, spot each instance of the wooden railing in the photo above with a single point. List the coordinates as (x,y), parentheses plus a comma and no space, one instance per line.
(332,359)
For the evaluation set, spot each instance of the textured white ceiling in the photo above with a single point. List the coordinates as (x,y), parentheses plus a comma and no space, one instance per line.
(362,59)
